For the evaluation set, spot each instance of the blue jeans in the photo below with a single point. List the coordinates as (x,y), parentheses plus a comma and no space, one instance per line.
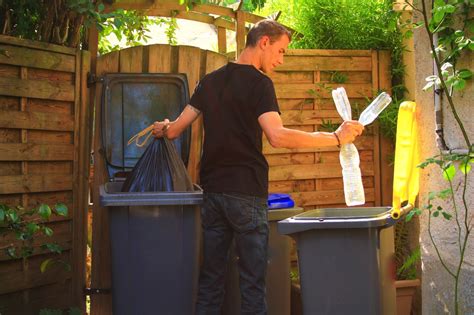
(226,216)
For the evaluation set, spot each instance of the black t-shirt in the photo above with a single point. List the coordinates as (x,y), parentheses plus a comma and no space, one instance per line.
(231,99)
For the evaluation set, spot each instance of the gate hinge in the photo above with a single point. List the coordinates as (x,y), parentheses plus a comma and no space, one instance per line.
(91,291)
(93,79)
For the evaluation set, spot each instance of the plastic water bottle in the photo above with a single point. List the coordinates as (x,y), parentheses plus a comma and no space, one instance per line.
(351,175)
(375,108)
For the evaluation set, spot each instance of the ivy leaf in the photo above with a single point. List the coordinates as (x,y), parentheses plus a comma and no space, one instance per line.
(446,215)
(45,264)
(464,167)
(436,213)
(438,15)
(465,74)
(12,215)
(32,228)
(2,213)
(44,211)
(54,248)
(445,194)
(11,252)
(459,84)
(61,209)
(48,231)
(449,172)
(431,195)
(414,211)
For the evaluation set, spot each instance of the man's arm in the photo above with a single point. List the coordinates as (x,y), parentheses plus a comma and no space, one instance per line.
(172,129)
(281,137)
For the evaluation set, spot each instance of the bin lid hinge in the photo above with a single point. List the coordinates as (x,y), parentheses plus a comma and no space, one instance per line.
(93,79)
(92,291)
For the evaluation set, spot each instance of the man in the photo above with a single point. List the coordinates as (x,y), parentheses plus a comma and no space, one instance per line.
(238,102)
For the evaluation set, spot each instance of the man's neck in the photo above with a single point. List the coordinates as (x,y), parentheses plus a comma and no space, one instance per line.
(249,57)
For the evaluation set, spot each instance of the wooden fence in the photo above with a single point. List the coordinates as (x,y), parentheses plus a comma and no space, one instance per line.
(44,158)
(303,85)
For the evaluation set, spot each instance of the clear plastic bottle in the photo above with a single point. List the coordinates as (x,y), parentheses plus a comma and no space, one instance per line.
(375,108)
(351,175)
(349,156)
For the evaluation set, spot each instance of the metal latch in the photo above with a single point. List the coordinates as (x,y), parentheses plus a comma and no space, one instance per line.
(91,291)
(93,79)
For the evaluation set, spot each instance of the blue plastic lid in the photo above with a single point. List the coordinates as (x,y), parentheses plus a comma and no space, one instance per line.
(280,201)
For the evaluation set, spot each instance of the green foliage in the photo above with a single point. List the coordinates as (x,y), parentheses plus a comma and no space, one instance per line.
(337,77)
(349,24)
(407,270)
(130,27)
(26,226)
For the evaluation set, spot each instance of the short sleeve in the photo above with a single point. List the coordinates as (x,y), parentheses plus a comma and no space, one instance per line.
(266,97)
(197,97)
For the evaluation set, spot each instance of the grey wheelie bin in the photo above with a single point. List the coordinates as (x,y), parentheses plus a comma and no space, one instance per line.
(154,235)
(346,255)
(278,270)
(343,258)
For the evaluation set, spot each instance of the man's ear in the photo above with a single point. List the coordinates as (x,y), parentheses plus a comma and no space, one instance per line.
(264,41)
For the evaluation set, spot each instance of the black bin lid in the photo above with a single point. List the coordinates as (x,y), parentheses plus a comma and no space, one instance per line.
(133,101)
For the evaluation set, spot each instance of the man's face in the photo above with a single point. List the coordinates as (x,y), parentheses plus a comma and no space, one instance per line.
(273,52)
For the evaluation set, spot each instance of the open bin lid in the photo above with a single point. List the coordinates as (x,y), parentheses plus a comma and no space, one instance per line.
(130,103)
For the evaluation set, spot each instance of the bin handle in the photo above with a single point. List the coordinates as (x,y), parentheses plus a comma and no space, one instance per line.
(406,173)
(136,137)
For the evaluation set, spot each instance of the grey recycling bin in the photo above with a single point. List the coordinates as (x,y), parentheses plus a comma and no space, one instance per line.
(154,235)
(278,273)
(345,259)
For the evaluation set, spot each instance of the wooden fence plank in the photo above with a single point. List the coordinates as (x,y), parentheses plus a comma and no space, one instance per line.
(287,186)
(37,89)
(362,143)
(355,90)
(326,63)
(320,198)
(35,152)
(101,304)
(290,159)
(26,57)
(309,117)
(131,59)
(190,63)
(49,106)
(81,173)
(36,120)
(13,278)
(327,170)
(328,52)
(159,59)
(50,137)
(34,183)
(15,41)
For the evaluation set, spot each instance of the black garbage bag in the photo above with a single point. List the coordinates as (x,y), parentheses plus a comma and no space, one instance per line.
(160,168)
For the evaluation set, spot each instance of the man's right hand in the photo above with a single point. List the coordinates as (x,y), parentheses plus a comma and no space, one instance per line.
(349,131)
(160,128)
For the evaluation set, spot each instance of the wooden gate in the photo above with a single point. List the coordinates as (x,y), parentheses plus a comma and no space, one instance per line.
(44,158)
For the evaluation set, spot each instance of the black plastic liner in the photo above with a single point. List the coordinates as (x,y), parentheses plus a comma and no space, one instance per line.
(160,168)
